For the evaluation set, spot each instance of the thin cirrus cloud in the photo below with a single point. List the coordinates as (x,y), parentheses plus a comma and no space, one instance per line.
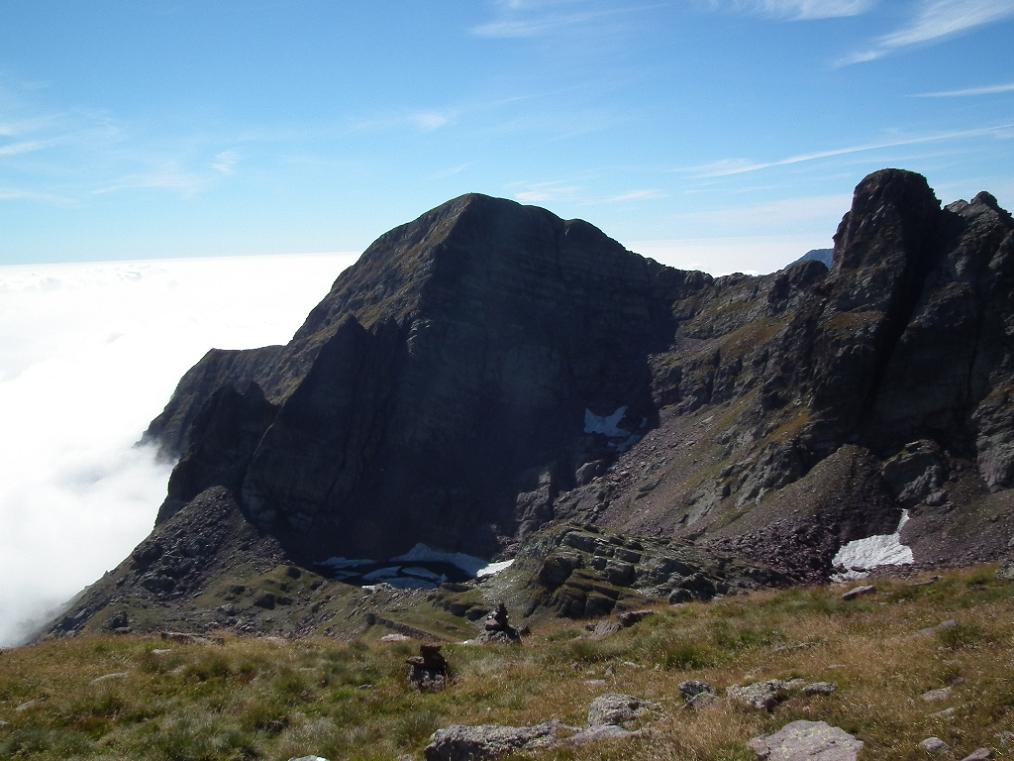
(519,20)
(731,167)
(548,192)
(424,120)
(933,22)
(796,10)
(968,92)
(647,194)
(23,146)
(225,162)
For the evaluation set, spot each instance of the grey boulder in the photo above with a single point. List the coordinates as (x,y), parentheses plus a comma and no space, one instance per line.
(488,741)
(807,741)
(614,708)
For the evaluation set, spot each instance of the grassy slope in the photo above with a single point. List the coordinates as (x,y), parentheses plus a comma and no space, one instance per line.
(264,698)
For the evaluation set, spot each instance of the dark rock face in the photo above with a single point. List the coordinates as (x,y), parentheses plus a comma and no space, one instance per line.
(490,368)
(439,392)
(908,342)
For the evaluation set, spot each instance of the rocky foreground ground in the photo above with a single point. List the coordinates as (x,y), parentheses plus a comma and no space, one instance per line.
(911,668)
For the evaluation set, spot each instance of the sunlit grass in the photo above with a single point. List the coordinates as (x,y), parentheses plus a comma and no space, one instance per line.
(270,699)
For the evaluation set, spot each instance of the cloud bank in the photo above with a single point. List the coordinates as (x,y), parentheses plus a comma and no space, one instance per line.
(89,353)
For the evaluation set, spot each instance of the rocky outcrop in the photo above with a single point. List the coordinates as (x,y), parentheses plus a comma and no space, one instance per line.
(585,572)
(803,410)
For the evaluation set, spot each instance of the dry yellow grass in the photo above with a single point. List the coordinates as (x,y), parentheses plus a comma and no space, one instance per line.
(255,698)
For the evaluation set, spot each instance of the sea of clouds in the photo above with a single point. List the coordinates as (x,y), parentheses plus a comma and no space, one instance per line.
(89,353)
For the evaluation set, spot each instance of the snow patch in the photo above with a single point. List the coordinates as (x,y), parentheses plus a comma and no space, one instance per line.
(494,568)
(606,425)
(861,556)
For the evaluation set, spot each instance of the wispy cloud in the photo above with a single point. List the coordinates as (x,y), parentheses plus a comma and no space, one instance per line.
(649,194)
(525,18)
(427,121)
(169,177)
(8,194)
(16,128)
(423,120)
(932,22)
(450,171)
(788,213)
(796,10)
(547,192)
(225,162)
(968,92)
(730,167)
(24,146)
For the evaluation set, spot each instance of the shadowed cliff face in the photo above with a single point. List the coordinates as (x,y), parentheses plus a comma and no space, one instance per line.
(447,372)
(465,380)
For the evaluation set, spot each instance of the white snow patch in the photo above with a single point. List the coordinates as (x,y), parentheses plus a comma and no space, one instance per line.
(860,556)
(607,425)
(494,568)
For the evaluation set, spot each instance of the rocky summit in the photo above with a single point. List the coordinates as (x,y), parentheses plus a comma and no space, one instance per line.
(493,381)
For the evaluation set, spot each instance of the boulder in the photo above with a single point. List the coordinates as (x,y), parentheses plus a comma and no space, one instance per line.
(979,754)
(807,741)
(934,745)
(1006,571)
(615,708)
(937,695)
(697,694)
(488,741)
(760,695)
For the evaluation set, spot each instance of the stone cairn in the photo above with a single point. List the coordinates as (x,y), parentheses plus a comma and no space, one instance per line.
(497,628)
(428,671)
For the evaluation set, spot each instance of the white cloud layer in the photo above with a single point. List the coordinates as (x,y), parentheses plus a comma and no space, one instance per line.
(89,353)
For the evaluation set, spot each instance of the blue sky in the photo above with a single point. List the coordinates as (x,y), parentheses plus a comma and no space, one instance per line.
(722,134)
